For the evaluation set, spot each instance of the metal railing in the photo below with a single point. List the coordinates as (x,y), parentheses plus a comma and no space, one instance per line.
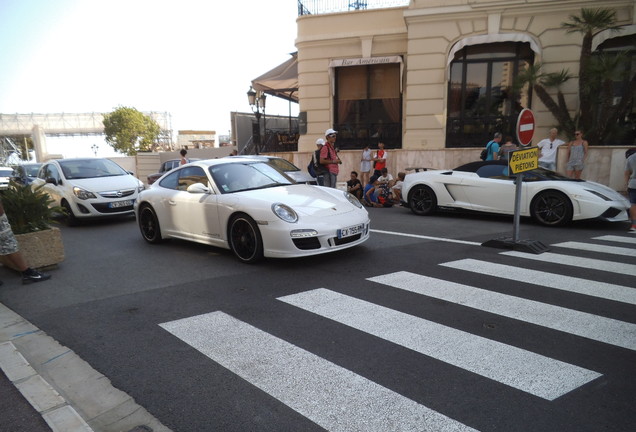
(317,7)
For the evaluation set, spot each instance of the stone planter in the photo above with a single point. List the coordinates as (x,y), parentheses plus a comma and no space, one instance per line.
(41,248)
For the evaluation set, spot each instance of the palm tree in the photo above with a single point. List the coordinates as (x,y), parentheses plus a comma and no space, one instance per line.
(596,115)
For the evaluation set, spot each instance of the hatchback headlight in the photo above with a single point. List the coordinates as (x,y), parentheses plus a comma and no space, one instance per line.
(353,200)
(285,212)
(141,186)
(82,193)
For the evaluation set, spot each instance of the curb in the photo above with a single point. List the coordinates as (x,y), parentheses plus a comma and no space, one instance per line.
(70,395)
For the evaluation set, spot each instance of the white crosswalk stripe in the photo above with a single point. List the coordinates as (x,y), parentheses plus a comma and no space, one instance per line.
(532,373)
(578,323)
(576,261)
(597,248)
(551,280)
(619,239)
(329,395)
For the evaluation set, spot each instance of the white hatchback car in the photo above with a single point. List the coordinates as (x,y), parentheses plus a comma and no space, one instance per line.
(88,188)
(5,177)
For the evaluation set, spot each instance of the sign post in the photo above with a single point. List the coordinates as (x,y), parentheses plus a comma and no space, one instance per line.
(520,161)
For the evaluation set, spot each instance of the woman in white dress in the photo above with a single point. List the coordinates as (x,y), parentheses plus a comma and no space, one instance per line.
(365,165)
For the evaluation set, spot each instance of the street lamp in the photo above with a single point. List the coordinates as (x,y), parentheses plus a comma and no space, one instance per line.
(95,147)
(256,100)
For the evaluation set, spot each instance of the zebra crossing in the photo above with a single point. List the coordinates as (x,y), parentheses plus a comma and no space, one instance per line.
(338,399)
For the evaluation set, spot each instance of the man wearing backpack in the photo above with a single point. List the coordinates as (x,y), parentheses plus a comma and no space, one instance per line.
(492,148)
(318,169)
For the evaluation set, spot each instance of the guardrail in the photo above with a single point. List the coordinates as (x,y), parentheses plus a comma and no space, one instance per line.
(317,7)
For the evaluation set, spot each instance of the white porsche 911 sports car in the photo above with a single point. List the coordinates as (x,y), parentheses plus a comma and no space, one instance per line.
(250,207)
(549,198)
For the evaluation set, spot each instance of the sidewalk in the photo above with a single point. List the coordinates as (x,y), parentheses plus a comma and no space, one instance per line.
(62,388)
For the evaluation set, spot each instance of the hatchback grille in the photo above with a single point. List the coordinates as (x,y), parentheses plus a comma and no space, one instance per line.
(103,208)
(117,194)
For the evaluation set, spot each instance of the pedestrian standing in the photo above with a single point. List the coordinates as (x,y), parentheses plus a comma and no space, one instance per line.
(365,165)
(9,249)
(549,147)
(183,154)
(492,148)
(379,160)
(577,153)
(329,158)
(630,178)
(319,169)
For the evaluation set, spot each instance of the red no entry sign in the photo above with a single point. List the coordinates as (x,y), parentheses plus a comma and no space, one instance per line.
(525,126)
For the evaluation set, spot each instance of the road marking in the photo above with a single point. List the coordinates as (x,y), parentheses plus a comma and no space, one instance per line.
(551,280)
(533,373)
(588,263)
(582,324)
(329,395)
(442,239)
(618,239)
(597,248)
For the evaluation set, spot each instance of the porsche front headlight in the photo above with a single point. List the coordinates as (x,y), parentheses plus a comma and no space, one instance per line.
(285,212)
(353,200)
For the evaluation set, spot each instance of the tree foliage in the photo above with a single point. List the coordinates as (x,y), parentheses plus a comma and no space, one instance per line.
(597,114)
(129,131)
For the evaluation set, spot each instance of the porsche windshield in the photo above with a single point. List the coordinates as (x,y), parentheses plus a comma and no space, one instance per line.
(237,177)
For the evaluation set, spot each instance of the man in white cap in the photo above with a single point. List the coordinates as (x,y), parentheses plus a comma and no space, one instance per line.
(329,159)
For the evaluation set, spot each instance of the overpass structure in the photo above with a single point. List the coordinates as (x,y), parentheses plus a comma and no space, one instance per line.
(13,127)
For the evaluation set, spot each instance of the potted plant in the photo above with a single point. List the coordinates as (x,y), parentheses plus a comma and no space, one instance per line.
(30,216)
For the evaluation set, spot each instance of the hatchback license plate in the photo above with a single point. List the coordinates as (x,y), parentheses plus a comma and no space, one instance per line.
(118,204)
(350,231)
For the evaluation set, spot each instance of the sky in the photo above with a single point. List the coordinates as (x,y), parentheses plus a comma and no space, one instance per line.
(192,58)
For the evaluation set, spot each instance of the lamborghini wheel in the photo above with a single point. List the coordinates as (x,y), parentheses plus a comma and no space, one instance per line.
(422,200)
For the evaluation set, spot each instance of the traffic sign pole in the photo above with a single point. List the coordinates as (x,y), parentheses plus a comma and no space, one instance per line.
(518,162)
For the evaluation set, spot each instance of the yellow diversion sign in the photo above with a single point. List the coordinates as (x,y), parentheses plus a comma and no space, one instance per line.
(524,160)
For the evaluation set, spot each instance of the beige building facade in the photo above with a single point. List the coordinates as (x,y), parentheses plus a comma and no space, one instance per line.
(414,56)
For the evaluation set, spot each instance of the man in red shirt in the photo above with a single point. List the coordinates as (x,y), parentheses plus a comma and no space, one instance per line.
(329,158)
(380,160)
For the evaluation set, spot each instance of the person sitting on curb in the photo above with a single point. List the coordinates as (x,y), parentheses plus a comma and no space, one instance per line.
(395,193)
(370,198)
(354,186)
(9,249)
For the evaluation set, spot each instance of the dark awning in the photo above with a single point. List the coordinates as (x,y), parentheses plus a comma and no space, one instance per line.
(282,81)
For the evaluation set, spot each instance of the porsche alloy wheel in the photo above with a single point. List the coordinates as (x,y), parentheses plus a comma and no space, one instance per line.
(149,225)
(551,208)
(422,200)
(245,239)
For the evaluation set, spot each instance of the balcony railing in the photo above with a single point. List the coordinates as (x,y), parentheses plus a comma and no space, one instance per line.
(317,7)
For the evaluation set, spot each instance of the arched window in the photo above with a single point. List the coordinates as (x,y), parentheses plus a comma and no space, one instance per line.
(481,96)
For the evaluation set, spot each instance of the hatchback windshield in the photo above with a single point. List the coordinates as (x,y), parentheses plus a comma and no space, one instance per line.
(6,172)
(237,177)
(90,168)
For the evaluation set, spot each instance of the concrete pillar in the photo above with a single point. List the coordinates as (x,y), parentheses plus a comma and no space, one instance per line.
(39,143)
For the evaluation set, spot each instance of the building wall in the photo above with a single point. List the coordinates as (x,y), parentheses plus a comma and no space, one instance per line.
(424,34)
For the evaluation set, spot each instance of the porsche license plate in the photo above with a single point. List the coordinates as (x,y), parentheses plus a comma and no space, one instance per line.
(350,231)
(118,204)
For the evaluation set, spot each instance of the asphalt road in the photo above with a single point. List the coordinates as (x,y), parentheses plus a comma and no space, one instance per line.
(420,328)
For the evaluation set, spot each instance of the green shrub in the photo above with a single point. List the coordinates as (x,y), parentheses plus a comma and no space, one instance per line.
(28,209)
